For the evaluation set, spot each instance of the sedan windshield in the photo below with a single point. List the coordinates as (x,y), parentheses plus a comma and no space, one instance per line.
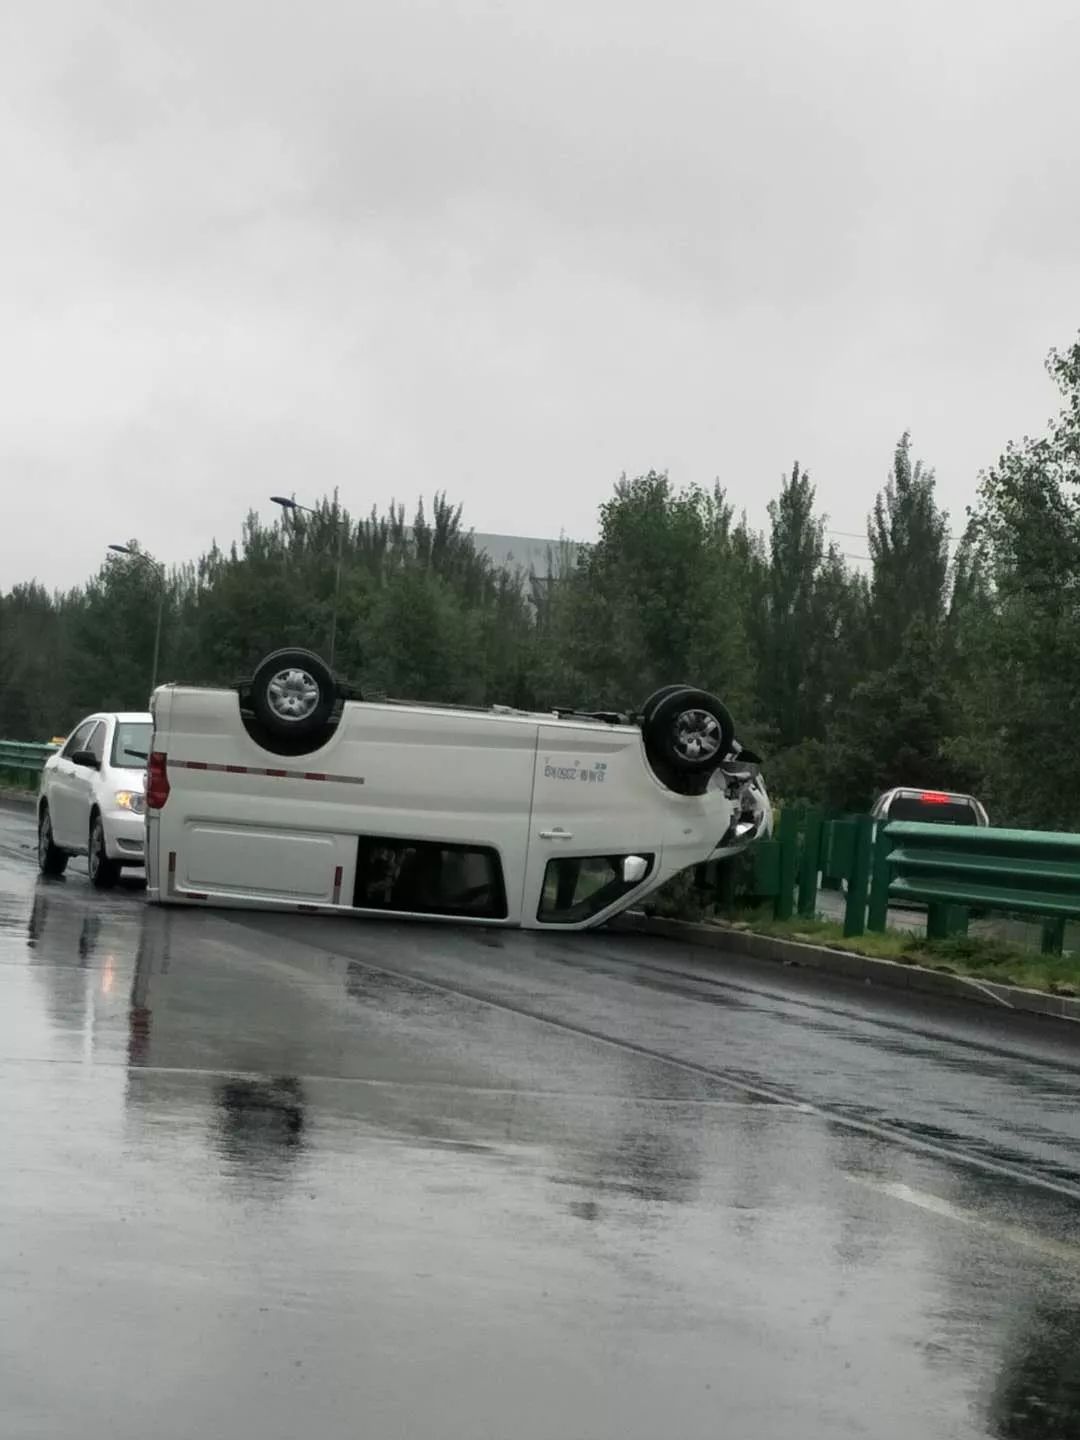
(131,745)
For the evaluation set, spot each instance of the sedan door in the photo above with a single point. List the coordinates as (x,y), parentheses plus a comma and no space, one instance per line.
(64,788)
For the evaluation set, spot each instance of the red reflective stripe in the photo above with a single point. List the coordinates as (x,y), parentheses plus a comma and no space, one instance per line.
(308,909)
(209,765)
(193,895)
(337,885)
(172,862)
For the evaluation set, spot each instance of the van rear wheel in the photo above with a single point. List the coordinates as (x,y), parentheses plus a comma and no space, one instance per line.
(649,707)
(292,694)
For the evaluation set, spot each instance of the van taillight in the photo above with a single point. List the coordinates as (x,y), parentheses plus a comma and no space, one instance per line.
(157,781)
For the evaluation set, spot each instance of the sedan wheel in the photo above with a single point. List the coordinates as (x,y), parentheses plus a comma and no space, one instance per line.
(104,872)
(51,859)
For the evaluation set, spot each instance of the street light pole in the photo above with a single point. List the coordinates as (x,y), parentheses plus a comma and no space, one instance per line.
(337,579)
(287,503)
(159,571)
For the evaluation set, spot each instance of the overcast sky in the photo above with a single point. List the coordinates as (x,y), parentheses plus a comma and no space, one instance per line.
(513,249)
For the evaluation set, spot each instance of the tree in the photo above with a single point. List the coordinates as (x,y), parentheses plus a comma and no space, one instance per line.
(898,726)
(909,551)
(783,627)
(1023,730)
(660,598)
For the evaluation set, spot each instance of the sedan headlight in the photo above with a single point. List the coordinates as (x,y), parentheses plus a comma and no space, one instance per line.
(132,800)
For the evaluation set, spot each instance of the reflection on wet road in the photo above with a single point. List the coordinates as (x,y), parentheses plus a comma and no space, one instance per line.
(272,1176)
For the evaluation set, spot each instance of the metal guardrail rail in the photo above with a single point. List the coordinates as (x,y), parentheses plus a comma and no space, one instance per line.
(954,868)
(810,850)
(951,869)
(24,757)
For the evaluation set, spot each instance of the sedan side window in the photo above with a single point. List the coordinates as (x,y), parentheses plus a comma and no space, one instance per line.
(96,743)
(78,738)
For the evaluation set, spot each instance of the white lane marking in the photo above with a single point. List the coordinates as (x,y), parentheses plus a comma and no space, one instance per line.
(938,1205)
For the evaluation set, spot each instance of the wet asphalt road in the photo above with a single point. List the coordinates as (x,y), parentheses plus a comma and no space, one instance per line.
(271,1177)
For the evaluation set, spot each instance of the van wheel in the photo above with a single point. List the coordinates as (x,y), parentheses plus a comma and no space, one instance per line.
(649,708)
(292,694)
(690,730)
(51,859)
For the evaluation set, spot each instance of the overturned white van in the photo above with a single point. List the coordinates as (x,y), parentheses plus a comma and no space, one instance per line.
(288,794)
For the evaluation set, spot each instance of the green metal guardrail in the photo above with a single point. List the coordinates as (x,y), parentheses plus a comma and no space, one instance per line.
(951,868)
(23,756)
(810,849)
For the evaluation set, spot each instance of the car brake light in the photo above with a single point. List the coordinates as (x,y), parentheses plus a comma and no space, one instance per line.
(157,781)
(933,797)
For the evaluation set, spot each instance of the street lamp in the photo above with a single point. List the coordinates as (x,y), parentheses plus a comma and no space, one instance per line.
(287,504)
(159,571)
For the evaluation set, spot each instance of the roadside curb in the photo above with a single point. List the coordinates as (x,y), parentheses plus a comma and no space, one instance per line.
(862,968)
(18,797)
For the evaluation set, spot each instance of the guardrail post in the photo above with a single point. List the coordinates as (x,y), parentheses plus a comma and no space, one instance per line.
(937,921)
(943,920)
(810,863)
(877,914)
(788,836)
(858,877)
(1053,935)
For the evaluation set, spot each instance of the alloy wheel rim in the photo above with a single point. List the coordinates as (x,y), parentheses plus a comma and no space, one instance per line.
(292,694)
(697,735)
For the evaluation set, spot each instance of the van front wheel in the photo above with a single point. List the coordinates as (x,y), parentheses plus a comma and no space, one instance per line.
(690,730)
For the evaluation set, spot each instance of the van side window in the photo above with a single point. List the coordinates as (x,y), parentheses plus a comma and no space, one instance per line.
(576,888)
(428,877)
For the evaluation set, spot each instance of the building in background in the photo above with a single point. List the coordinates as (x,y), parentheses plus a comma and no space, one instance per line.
(521,550)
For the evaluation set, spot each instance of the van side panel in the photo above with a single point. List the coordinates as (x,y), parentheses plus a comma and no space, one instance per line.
(246,825)
(247,860)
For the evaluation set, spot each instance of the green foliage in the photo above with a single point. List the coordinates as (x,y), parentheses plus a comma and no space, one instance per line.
(925,670)
(909,549)
(799,775)
(1022,731)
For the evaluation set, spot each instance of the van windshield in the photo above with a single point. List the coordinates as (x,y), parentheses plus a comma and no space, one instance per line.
(953,810)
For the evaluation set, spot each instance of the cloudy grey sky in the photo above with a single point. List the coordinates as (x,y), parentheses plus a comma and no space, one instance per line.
(512,249)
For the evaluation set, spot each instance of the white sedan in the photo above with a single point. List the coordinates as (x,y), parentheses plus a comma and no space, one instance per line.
(92,798)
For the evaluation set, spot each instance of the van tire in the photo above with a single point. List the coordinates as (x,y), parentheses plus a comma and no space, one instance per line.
(293,694)
(690,730)
(648,709)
